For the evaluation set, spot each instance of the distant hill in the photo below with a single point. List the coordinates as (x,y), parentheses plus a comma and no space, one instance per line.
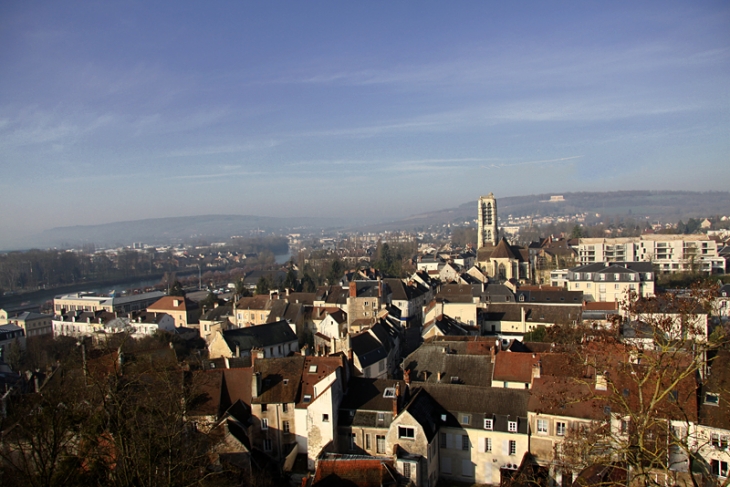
(164,231)
(665,206)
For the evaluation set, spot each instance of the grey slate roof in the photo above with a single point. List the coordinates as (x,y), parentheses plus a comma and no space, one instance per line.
(260,336)
(475,370)
(367,348)
(427,412)
(501,405)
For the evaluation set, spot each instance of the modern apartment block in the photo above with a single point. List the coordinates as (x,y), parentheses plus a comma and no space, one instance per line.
(669,253)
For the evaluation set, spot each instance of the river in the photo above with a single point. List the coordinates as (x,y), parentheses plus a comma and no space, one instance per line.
(37,298)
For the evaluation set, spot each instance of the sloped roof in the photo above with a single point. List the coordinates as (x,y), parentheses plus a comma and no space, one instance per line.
(446,325)
(280,379)
(216,314)
(367,348)
(427,411)
(315,369)
(515,366)
(259,336)
(167,303)
(503,250)
(502,404)
(354,472)
(456,293)
(364,394)
(433,358)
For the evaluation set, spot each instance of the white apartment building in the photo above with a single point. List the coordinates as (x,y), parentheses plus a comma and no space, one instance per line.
(669,253)
(612,281)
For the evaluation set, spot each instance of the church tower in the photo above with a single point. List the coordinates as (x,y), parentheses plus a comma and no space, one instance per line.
(488,232)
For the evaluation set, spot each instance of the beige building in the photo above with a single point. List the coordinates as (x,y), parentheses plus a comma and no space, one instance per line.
(184,311)
(669,253)
(95,302)
(612,281)
(33,324)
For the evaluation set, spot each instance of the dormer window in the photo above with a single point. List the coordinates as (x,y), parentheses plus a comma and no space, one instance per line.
(307,398)
(488,424)
(512,426)
(312,369)
(713,399)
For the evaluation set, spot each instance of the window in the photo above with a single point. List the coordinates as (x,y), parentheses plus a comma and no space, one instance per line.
(487,445)
(560,428)
(389,393)
(464,442)
(488,424)
(624,426)
(267,444)
(284,407)
(325,418)
(307,398)
(353,442)
(285,427)
(542,426)
(719,468)
(406,432)
(465,419)
(367,442)
(512,447)
(719,441)
(264,424)
(381,418)
(312,369)
(512,426)
(712,399)
(379,444)
(407,470)
(264,408)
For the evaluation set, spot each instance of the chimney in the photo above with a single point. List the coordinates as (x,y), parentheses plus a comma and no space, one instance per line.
(256,354)
(407,376)
(225,361)
(537,369)
(353,289)
(492,353)
(238,351)
(438,376)
(255,384)
(396,399)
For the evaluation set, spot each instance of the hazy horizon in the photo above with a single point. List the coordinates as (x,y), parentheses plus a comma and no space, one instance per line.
(129,111)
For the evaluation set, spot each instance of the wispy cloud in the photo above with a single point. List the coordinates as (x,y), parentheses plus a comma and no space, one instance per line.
(526,163)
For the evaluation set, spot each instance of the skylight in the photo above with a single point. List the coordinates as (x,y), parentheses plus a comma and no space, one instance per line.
(389,392)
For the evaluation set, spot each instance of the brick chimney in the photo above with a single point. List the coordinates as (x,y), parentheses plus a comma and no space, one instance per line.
(255,384)
(396,398)
(407,376)
(537,369)
(353,289)
(256,354)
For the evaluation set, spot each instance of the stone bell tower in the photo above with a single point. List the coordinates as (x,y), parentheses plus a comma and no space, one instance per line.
(488,231)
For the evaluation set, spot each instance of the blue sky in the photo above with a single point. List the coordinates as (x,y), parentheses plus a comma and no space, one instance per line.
(116,111)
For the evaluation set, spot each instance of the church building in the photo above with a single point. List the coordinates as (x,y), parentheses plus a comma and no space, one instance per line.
(499,260)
